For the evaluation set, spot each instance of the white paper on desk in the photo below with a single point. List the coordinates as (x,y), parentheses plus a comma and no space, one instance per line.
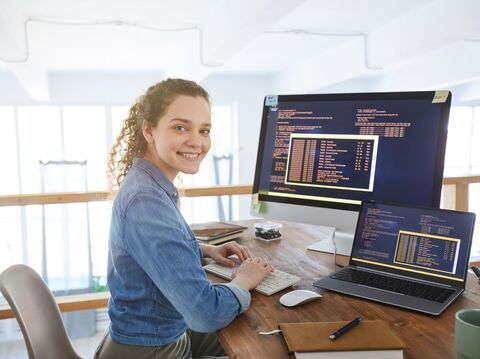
(357,354)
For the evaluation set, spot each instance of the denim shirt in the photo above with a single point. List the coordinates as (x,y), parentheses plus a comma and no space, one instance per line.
(157,284)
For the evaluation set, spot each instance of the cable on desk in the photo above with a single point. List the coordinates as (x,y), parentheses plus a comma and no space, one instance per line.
(270,332)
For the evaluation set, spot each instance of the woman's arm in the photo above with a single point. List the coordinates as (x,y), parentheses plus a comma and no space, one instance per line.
(171,261)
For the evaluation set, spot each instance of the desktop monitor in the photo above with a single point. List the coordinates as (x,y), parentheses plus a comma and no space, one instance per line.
(320,155)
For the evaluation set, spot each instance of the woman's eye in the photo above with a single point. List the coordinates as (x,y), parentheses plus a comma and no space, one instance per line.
(206,131)
(180,128)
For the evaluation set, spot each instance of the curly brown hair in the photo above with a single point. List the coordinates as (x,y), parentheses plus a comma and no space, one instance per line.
(150,107)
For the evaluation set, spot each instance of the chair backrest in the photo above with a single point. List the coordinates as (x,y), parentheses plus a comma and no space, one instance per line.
(37,314)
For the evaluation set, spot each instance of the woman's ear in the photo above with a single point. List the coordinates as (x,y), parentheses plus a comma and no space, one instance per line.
(147,131)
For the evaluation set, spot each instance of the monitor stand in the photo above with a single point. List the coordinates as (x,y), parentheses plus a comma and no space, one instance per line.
(343,243)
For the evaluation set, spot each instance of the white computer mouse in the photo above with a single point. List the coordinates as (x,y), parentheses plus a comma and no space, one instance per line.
(297,297)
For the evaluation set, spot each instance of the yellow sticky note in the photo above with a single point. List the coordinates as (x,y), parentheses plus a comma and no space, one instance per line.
(255,198)
(440,96)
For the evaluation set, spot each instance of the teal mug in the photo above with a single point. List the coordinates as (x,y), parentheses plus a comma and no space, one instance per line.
(467,333)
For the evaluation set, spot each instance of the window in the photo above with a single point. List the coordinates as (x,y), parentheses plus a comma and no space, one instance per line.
(458,157)
(52,239)
(463,155)
(475,143)
(84,137)
(8,151)
(39,139)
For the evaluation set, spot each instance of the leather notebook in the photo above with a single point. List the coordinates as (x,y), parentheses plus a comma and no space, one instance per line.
(314,337)
(216,232)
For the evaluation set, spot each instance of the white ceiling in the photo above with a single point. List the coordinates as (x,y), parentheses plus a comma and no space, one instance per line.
(306,45)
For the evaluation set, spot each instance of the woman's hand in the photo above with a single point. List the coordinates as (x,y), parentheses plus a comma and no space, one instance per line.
(251,272)
(221,253)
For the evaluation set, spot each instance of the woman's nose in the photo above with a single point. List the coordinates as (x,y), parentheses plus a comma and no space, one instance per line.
(194,140)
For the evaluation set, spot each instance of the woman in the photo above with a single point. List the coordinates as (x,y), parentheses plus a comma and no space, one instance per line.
(162,305)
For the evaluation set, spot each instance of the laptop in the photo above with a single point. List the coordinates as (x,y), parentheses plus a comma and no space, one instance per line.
(411,257)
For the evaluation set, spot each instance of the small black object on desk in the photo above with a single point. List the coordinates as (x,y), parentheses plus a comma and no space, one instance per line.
(268,231)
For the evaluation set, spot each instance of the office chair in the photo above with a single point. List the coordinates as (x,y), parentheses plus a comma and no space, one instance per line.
(37,314)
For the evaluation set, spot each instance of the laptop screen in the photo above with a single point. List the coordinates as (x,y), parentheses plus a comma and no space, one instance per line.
(425,243)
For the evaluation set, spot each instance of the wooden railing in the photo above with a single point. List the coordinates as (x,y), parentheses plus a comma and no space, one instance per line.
(456,199)
(78,197)
(69,303)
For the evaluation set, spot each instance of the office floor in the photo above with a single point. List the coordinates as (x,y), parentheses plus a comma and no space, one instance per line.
(85,347)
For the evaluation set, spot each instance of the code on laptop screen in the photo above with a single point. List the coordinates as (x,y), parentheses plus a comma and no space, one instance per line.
(430,242)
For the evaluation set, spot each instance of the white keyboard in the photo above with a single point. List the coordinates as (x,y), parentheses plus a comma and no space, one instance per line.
(274,281)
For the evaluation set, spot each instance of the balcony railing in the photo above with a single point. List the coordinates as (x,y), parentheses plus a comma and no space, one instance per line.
(78,197)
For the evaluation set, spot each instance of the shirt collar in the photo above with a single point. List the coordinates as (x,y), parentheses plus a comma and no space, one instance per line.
(157,175)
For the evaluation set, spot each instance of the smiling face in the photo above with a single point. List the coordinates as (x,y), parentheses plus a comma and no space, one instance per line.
(181,139)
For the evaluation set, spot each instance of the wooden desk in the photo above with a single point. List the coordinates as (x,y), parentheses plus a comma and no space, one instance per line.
(427,336)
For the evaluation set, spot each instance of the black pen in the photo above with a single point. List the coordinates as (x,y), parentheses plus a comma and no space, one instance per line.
(345,328)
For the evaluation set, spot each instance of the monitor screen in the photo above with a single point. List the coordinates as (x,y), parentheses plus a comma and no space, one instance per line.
(333,151)
(414,241)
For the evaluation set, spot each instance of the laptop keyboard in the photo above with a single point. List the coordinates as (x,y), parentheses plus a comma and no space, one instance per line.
(393,284)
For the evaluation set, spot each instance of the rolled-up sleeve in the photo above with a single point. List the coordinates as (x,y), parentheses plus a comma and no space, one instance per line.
(155,239)
(243,296)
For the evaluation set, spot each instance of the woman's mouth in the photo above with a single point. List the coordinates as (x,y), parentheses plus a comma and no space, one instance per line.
(192,156)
